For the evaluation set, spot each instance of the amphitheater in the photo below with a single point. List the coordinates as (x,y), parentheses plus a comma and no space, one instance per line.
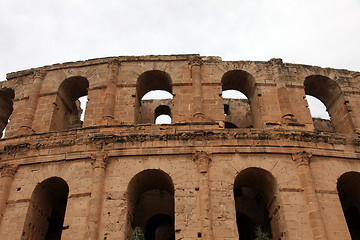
(218,168)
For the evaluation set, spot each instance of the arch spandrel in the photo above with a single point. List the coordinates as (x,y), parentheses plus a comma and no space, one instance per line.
(96,75)
(257,70)
(174,70)
(232,165)
(35,175)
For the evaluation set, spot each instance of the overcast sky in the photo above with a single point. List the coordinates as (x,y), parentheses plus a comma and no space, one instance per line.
(44,32)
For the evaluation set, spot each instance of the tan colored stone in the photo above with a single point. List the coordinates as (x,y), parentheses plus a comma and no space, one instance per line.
(192,179)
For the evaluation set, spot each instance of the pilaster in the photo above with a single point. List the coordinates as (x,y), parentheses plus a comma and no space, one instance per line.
(196,78)
(111,86)
(99,164)
(7,172)
(38,77)
(302,159)
(202,160)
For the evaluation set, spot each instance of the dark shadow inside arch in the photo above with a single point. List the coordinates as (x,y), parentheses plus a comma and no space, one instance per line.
(46,212)
(230,125)
(6,105)
(160,226)
(151,204)
(349,195)
(237,90)
(254,191)
(330,94)
(153,90)
(246,228)
(153,80)
(67,110)
(161,111)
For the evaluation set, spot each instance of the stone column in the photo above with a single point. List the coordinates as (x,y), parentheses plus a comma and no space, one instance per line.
(97,195)
(196,78)
(283,95)
(38,76)
(312,203)
(111,86)
(7,176)
(202,160)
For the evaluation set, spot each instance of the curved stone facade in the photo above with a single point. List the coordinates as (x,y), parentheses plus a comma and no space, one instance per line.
(221,169)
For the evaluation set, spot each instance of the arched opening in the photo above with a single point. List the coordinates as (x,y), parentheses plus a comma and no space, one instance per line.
(163,115)
(6,105)
(349,195)
(317,108)
(153,89)
(319,114)
(329,93)
(67,111)
(237,90)
(254,193)
(46,212)
(151,204)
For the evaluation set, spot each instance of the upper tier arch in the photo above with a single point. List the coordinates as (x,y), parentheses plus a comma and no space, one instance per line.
(274,90)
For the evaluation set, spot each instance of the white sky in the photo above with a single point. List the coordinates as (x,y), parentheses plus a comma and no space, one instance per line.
(44,32)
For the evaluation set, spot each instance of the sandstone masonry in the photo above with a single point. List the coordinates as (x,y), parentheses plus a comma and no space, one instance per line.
(219,170)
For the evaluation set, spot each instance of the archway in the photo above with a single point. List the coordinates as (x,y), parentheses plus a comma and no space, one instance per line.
(67,111)
(6,105)
(153,89)
(349,195)
(46,212)
(254,193)
(330,94)
(237,92)
(319,114)
(163,115)
(151,204)
(160,227)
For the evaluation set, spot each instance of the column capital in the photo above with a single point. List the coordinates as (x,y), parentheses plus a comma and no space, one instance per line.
(302,158)
(114,64)
(196,61)
(276,61)
(8,170)
(202,160)
(39,73)
(100,160)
